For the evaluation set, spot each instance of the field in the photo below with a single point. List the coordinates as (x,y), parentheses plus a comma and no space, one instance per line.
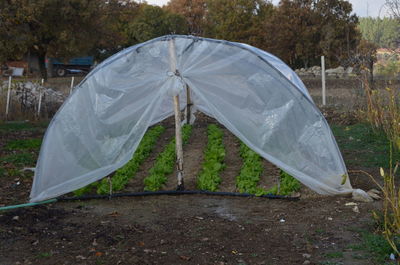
(192,229)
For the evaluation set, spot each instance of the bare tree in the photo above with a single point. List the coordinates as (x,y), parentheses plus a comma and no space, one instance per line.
(394,8)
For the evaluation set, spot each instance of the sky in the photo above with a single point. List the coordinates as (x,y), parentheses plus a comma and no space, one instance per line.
(362,8)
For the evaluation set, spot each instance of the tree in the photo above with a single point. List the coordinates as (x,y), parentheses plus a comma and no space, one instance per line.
(49,28)
(338,28)
(394,8)
(194,11)
(12,44)
(366,57)
(294,27)
(153,21)
(384,32)
(116,16)
(237,20)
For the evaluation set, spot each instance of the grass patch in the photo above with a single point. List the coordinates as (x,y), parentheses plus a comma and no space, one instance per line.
(20,159)
(334,255)
(22,126)
(331,263)
(376,246)
(22,144)
(363,146)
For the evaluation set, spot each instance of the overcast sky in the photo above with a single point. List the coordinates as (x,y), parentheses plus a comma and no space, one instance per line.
(362,8)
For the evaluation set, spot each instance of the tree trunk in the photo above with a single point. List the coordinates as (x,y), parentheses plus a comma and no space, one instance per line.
(371,73)
(42,65)
(50,68)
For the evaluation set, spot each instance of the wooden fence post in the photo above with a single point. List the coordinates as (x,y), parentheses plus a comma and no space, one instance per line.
(323,80)
(40,98)
(8,96)
(72,84)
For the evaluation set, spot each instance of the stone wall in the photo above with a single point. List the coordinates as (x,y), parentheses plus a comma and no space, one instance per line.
(315,71)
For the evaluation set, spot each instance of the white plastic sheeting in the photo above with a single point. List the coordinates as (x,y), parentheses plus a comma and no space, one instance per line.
(254,94)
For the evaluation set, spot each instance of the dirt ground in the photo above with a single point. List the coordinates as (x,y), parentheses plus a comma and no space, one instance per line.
(186,229)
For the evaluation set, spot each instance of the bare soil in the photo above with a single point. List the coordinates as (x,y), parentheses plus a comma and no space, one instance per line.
(189,229)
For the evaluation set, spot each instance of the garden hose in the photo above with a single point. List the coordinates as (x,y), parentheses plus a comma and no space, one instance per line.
(150,193)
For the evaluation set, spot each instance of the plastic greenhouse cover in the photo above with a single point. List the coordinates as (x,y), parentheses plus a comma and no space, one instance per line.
(252,93)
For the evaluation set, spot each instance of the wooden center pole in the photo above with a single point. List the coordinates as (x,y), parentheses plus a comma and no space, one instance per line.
(178,140)
(178,129)
(188,105)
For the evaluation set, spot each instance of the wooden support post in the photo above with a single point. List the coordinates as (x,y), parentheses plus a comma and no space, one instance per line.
(72,84)
(8,96)
(188,105)
(178,129)
(178,141)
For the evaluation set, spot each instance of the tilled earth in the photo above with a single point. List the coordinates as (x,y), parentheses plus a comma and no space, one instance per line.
(185,229)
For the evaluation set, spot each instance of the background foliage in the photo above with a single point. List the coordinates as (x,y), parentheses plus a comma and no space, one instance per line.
(298,31)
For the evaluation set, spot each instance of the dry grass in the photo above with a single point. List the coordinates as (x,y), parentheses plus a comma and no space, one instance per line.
(383,112)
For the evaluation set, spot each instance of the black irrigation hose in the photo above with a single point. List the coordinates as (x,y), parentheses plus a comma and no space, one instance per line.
(176,192)
(149,193)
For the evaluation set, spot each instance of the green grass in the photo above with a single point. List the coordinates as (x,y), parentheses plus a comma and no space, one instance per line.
(22,144)
(22,126)
(20,159)
(334,255)
(376,246)
(363,146)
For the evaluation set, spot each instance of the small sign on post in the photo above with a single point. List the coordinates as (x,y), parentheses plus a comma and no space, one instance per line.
(323,80)
(8,95)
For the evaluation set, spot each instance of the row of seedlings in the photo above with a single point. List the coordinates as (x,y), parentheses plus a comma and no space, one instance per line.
(287,185)
(209,178)
(252,168)
(125,173)
(250,172)
(165,163)
(214,155)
